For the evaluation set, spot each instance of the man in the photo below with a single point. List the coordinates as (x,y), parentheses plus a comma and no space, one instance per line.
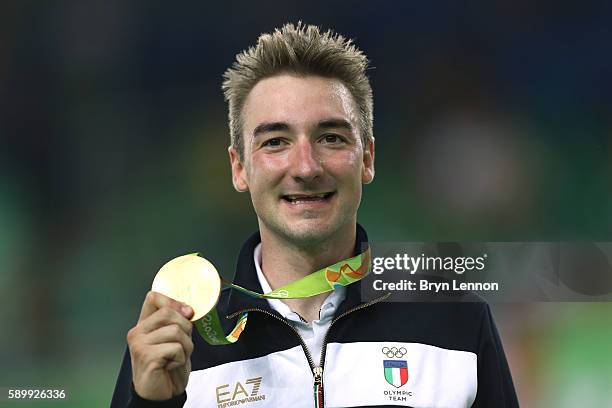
(300,109)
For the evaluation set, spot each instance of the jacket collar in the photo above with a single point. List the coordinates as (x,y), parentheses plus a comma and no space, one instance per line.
(246,276)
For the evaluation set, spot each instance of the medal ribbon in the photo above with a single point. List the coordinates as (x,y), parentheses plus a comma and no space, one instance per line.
(324,280)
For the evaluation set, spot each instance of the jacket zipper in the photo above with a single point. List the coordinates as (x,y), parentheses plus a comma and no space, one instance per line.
(317,371)
(280,319)
(354,309)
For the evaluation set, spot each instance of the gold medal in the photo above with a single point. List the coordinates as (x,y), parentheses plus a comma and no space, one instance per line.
(192,280)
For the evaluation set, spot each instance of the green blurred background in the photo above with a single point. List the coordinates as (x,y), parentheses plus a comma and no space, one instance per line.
(492,122)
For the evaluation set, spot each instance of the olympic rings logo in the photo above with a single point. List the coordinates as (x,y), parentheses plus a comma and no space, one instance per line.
(394,352)
(282,293)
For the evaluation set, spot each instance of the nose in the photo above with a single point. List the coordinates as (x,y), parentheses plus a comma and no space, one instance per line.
(305,163)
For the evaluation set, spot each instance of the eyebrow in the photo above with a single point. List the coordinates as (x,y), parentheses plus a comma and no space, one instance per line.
(334,124)
(269,127)
(282,126)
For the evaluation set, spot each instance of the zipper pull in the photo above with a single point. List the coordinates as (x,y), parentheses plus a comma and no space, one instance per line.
(318,387)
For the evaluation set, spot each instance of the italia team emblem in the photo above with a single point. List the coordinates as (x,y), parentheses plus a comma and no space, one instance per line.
(396,371)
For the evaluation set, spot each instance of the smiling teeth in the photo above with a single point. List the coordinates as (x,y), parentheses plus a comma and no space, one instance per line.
(296,199)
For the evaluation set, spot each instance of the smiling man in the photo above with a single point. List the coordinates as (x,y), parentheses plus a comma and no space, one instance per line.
(300,110)
(304,166)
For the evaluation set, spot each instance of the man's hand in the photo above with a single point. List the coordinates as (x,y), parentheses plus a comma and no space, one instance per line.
(160,348)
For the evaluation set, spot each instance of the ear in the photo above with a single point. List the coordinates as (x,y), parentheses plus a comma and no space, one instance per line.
(238,171)
(367,174)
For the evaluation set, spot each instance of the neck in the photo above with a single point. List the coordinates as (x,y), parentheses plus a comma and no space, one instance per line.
(283,262)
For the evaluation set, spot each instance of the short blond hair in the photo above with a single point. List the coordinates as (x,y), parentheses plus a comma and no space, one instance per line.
(303,50)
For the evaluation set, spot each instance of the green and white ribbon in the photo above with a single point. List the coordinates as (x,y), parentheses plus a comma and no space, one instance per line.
(324,280)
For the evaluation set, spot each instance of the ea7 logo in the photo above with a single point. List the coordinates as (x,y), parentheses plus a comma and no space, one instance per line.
(238,393)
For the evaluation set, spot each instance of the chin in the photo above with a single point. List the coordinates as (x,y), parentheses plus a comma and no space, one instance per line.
(308,232)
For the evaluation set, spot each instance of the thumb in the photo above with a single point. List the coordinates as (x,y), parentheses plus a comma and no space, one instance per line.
(186,311)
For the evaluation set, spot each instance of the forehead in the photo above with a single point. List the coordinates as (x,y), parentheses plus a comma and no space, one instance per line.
(299,101)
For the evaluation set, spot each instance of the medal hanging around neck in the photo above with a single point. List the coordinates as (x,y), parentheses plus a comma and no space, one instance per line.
(193,280)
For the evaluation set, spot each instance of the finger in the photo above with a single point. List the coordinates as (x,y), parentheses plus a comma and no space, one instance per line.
(155,301)
(165,317)
(171,334)
(167,354)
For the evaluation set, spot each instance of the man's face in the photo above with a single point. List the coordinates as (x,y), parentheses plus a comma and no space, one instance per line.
(304,162)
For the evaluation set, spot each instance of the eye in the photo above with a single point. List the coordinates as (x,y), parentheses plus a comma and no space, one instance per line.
(332,139)
(273,142)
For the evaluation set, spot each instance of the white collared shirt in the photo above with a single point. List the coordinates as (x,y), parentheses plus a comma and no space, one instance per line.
(314,332)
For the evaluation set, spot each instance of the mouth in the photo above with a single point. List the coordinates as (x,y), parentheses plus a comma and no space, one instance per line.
(296,199)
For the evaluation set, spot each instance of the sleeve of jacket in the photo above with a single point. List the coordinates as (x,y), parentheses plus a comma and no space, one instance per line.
(495,386)
(125,396)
